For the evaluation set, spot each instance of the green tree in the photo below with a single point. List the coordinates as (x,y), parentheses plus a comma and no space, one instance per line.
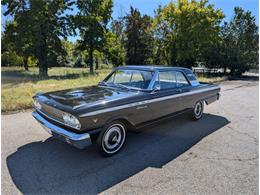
(9,58)
(237,49)
(219,54)
(162,40)
(18,41)
(114,50)
(92,20)
(188,29)
(70,58)
(118,28)
(242,42)
(42,23)
(139,39)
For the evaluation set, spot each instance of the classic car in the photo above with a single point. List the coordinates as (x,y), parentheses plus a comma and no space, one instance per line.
(129,98)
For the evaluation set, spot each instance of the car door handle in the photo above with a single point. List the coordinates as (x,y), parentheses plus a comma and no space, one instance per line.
(179,90)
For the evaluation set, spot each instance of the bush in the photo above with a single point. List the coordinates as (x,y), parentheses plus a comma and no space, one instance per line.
(11,59)
(32,62)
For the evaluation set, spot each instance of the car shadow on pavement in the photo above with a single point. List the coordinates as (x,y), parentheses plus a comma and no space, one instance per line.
(55,167)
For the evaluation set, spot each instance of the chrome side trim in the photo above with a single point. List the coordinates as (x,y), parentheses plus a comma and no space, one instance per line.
(146,102)
(59,130)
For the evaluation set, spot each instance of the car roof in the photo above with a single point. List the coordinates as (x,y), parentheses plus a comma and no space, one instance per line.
(152,68)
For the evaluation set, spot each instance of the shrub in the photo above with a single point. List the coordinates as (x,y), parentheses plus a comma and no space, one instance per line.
(11,59)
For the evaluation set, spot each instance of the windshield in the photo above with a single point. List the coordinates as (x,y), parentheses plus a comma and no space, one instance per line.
(130,78)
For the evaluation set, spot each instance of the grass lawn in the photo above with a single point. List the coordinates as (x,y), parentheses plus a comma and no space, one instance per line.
(18,86)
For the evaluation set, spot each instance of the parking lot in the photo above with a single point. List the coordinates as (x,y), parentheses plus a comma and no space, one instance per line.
(216,155)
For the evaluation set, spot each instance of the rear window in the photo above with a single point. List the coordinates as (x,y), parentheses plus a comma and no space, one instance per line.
(191,77)
(181,80)
(193,80)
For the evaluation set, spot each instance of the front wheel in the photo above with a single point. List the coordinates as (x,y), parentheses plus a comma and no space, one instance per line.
(197,111)
(111,139)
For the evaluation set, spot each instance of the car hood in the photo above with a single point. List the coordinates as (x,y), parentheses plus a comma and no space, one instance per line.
(89,96)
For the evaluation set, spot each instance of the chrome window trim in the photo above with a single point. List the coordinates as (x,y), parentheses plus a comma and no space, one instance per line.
(146,102)
(55,119)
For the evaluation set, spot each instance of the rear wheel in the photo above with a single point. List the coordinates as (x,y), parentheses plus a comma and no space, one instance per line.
(197,111)
(111,139)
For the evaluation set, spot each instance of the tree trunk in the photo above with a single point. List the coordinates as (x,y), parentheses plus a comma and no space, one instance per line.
(43,69)
(25,63)
(96,61)
(43,66)
(90,53)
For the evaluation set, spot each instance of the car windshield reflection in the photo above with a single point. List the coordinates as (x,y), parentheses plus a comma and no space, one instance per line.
(130,79)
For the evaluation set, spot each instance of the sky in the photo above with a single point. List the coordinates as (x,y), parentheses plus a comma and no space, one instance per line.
(122,7)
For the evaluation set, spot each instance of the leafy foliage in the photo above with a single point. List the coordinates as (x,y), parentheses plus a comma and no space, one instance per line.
(92,20)
(182,33)
(139,38)
(17,41)
(11,59)
(114,51)
(237,49)
(188,28)
(243,42)
(40,23)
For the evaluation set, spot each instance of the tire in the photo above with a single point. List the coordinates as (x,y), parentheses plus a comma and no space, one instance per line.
(197,111)
(111,139)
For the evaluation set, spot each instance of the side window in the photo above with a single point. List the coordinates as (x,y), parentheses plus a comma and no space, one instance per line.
(167,79)
(181,80)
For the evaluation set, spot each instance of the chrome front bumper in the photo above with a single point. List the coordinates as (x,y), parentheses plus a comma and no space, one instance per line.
(78,140)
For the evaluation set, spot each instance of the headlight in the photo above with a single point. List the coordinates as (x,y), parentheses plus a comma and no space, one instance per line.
(37,104)
(71,120)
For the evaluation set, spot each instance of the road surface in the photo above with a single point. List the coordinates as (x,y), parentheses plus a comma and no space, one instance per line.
(216,155)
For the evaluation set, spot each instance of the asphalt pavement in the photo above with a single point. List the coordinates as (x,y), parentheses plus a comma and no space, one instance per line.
(215,155)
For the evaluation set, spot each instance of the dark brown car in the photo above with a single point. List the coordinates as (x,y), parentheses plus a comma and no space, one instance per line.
(129,98)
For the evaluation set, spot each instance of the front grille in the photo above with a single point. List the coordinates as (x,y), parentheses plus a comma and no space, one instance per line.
(52,112)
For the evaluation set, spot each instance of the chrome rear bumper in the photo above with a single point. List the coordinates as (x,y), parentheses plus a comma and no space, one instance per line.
(78,140)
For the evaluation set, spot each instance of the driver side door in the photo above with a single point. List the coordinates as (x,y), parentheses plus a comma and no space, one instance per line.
(166,100)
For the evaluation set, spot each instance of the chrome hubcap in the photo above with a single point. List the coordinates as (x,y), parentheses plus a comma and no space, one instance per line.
(113,138)
(198,109)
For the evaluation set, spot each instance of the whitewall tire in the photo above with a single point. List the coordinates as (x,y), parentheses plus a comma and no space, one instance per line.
(111,139)
(197,111)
